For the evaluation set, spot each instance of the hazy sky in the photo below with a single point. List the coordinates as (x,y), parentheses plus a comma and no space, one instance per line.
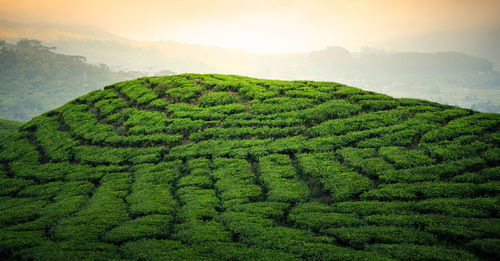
(261,25)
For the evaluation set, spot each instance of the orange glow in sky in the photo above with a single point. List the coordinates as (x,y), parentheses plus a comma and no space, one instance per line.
(261,25)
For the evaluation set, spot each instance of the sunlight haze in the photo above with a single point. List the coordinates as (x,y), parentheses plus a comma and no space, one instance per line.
(260,26)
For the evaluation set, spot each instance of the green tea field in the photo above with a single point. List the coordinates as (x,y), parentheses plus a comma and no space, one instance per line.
(225,167)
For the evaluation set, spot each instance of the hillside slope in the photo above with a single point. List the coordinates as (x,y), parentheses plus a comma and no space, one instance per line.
(222,167)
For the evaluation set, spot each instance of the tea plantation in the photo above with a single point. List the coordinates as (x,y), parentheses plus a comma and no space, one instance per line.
(223,167)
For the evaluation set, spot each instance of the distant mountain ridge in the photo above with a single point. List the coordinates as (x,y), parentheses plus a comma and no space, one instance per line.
(481,43)
(446,77)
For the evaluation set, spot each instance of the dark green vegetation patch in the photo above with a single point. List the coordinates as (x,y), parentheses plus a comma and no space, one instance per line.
(8,127)
(219,167)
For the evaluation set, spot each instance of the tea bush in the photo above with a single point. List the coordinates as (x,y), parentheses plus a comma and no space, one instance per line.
(226,167)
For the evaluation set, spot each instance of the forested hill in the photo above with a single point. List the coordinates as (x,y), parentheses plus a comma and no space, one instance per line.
(33,79)
(223,167)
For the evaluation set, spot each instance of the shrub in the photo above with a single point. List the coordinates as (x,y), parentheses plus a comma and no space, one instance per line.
(110,106)
(364,208)
(199,204)
(145,122)
(159,103)
(198,181)
(468,207)
(184,94)
(280,238)
(201,232)
(147,226)
(13,241)
(238,251)
(58,190)
(56,144)
(155,249)
(95,154)
(360,237)
(365,160)
(343,183)
(274,105)
(216,98)
(361,122)
(84,124)
(328,110)
(432,172)
(279,176)
(89,223)
(17,146)
(321,221)
(9,186)
(75,249)
(18,210)
(474,124)
(456,149)
(184,126)
(376,105)
(487,247)
(402,158)
(152,190)
(274,210)
(97,95)
(137,93)
(419,252)
(485,175)
(234,180)
(422,190)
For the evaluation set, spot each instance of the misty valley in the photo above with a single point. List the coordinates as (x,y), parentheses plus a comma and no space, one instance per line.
(243,130)
(91,61)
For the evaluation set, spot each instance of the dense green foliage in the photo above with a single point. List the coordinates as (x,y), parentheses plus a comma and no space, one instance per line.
(222,167)
(33,79)
(7,127)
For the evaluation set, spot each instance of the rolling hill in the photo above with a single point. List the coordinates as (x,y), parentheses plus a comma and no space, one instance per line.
(225,167)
